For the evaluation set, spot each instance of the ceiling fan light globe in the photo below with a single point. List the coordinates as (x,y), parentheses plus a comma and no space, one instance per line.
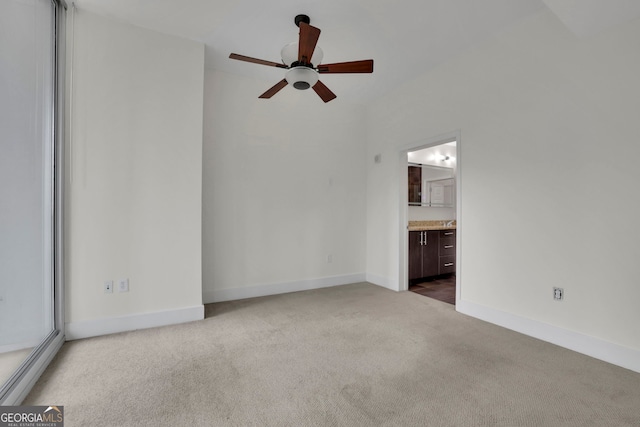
(289,54)
(301,77)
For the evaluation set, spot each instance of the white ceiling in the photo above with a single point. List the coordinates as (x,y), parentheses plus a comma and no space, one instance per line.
(404,37)
(588,17)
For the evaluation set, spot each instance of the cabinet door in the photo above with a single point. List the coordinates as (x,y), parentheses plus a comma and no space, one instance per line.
(415,185)
(430,254)
(415,254)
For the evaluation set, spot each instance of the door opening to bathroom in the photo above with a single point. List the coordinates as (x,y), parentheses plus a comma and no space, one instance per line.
(432,220)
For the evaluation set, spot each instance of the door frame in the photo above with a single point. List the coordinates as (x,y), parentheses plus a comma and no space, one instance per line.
(403,162)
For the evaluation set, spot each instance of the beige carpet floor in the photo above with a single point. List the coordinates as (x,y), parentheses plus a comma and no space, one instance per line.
(355,355)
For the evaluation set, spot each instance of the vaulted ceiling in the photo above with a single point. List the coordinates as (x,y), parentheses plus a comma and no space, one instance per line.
(405,37)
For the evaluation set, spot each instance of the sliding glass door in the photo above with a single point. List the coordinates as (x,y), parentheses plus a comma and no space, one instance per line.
(31,84)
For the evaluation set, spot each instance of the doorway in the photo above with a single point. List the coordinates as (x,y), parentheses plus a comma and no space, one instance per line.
(430,218)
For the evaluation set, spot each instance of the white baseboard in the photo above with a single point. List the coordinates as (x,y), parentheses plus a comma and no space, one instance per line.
(591,346)
(385,282)
(112,325)
(232,294)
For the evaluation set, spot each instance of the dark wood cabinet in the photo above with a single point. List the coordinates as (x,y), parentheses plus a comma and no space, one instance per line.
(415,254)
(431,253)
(447,264)
(415,185)
(447,251)
(447,242)
(423,254)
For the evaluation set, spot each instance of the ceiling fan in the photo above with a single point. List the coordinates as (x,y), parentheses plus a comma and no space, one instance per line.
(299,58)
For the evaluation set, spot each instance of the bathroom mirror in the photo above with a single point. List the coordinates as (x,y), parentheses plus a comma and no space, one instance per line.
(431,186)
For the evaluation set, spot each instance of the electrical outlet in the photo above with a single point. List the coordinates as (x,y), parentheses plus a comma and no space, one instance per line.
(558,294)
(108,286)
(123,285)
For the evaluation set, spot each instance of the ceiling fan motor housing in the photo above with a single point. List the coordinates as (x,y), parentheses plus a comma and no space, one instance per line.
(301,77)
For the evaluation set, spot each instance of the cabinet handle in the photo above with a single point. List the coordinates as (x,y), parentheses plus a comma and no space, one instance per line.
(425,238)
(448,246)
(448,264)
(449,233)
(421,238)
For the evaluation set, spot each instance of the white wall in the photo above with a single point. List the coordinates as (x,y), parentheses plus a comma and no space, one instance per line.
(284,187)
(549,174)
(135,178)
(425,213)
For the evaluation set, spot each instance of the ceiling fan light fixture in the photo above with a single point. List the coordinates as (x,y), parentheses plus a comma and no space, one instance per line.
(289,54)
(301,77)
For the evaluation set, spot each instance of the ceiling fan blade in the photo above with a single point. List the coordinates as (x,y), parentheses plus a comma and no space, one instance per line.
(323,91)
(364,66)
(256,61)
(275,89)
(308,39)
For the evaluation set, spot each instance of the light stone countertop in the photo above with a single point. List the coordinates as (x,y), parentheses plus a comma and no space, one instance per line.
(430,225)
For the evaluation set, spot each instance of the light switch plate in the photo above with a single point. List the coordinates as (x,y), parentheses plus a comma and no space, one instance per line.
(108,286)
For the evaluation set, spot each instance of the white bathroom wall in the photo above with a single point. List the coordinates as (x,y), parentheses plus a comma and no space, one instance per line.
(284,190)
(548,126)
(422,213)
(134,177)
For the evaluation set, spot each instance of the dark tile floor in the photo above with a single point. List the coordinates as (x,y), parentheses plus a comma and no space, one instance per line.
(441,288)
